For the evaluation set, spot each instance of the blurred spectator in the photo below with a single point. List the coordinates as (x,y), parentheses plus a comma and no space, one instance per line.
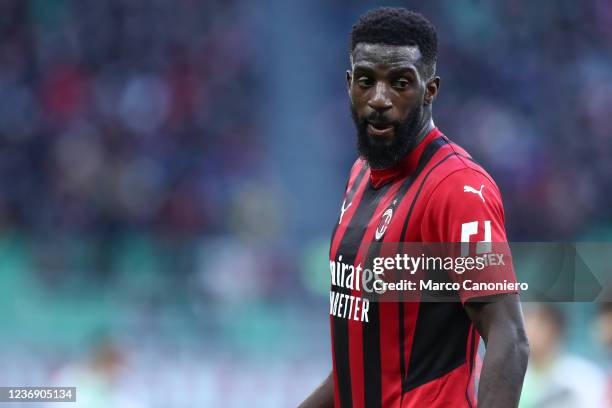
(555,377)
(603,324)
(97,377)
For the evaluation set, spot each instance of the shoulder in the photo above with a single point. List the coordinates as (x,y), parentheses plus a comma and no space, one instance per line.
(460,191)
(455,172)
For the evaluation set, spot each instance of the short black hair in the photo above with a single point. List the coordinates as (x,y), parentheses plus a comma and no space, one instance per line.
(398,26)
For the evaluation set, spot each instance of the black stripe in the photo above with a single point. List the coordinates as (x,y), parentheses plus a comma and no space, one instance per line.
(428,153)
(356,183)
(405,228)
(402,339)
(350,194)
(469,158)
(465,156)
(337,328)
(371,348)
(438,346)
(348,249)
(433,354)
(371,330)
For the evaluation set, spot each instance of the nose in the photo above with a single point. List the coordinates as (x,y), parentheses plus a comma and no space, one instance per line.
(380,100)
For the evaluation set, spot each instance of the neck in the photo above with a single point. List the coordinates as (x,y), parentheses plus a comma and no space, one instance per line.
(426,126)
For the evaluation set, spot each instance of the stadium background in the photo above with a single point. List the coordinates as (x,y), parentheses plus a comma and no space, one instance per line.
(170,172)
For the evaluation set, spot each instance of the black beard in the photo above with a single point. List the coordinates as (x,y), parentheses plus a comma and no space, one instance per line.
(379,152)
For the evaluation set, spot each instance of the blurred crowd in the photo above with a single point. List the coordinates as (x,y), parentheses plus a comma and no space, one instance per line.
(171,170)
(121,115)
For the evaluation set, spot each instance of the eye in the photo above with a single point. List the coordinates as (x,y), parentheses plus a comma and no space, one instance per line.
(401,83)
(365,82)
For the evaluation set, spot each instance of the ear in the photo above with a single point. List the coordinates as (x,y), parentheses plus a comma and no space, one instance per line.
(431,90)
(349,80)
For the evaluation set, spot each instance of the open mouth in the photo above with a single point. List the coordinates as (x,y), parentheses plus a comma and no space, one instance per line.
(379,129)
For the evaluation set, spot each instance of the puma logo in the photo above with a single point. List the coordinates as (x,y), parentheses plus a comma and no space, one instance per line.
(343,210)
(470,189)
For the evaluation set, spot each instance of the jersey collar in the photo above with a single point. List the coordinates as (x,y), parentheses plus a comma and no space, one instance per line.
(380,177)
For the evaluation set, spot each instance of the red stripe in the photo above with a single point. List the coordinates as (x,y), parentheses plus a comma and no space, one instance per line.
(390,349)
(411,310)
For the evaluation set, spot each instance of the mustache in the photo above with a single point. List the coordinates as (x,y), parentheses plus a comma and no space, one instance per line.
(378,119)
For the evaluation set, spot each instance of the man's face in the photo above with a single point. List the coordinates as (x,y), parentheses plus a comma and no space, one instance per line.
(387,95)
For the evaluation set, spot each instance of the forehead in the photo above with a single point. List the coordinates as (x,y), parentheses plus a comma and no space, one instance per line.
(382,54)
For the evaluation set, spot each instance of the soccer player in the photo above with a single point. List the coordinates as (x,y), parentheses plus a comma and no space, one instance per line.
(412,184)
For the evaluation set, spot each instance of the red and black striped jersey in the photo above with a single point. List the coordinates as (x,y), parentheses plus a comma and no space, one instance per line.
(409,354)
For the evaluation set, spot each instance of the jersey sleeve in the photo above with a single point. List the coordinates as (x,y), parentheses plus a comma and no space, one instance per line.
(465,213)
